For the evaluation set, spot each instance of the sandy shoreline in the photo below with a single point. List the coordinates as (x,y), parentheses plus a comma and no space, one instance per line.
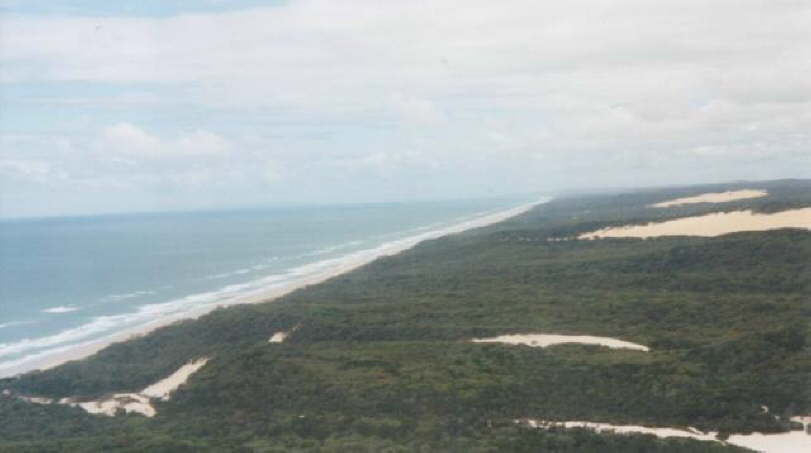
(343,264)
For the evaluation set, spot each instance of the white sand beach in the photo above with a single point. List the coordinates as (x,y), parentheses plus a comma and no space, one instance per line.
(545,340)
(714,224)
(341,265)
(716,197)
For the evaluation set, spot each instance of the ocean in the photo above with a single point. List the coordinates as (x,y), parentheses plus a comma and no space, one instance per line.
(72,281)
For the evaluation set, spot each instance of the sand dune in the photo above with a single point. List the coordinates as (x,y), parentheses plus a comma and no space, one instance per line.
(714,224)
(131,402)
(625,429)
(544,340)
(788,442)
(282,335)
(718,197)
(163,388)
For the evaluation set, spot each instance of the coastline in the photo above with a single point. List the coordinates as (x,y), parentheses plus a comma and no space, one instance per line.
(340,265)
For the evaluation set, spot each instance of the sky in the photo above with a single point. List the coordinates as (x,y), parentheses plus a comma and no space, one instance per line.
(167,104)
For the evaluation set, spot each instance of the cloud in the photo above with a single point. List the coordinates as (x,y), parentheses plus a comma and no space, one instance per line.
(339,98)
(29,170)
(128,139)
(125,137)
(417,111)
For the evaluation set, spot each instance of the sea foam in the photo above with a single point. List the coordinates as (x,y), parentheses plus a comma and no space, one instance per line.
(60,309)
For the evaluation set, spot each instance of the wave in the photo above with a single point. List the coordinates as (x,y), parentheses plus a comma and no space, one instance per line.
(114,323)
(11,367)
(60,309)
(267,264)
(124,296)
(107,326)
(333,248)
(15,323)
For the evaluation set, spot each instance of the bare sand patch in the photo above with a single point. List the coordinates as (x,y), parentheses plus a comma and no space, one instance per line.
(788,442)
(129,402)
(625,429)
(140,403)
(714,224)
(37,399)
(544,340)
(716,197)
(282,335)
(163,388)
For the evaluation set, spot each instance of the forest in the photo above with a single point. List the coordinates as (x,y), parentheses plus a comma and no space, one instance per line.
(381,357)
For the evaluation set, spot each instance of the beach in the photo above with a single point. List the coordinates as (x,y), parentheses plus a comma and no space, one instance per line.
(307,275)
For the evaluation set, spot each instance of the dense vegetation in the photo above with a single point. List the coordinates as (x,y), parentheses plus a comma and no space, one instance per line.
(381,360)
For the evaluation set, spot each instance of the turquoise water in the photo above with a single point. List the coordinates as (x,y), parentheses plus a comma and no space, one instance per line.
(67,281)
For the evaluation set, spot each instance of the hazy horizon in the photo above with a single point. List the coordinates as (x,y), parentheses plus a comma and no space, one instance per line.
(157,106)
(284,205)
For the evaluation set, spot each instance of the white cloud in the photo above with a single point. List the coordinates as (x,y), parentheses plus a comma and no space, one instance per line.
(30,170)
(127,138)
(526,94)
(203,142)
(417,111)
